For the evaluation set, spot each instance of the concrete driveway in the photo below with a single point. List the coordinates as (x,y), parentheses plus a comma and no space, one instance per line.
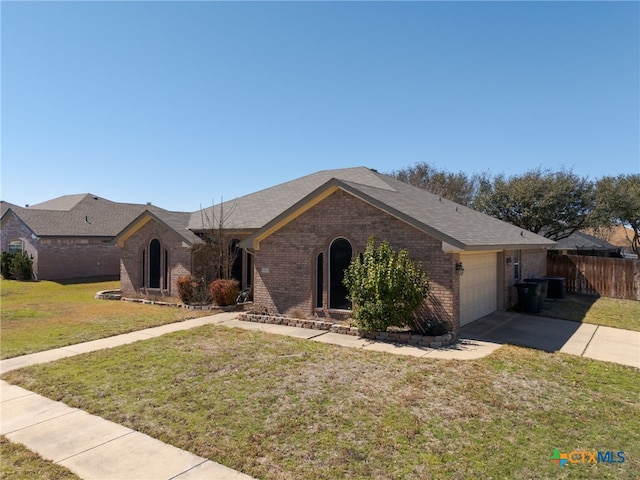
(553,335)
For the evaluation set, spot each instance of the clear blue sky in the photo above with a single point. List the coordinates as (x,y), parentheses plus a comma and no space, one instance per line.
(182,103)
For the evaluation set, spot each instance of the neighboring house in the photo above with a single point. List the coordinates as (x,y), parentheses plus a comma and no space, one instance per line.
(581,243)
(70,236)
(297,238)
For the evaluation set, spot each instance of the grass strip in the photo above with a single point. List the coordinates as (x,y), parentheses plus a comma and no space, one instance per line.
(20,463)
(39,316)
(282,408)
(609,312)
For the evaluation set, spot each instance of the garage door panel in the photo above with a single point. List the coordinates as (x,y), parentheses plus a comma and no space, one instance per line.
(478,286)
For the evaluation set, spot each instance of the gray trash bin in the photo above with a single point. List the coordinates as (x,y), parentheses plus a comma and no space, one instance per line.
(557,287)
(544,283)
(528,297)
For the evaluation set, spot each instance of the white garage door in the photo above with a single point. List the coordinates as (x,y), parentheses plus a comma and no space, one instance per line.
(478,286)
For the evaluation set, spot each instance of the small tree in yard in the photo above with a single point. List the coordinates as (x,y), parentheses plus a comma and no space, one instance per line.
(213,258)
(385,287)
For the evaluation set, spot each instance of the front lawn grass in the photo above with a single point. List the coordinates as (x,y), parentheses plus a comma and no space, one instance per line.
(42,315)
(20,463)
(282,408)
(610,312)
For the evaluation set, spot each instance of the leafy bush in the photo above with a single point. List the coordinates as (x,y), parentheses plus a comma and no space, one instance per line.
(192,290)
(18,266)
(5,264)
(224,292)
(385,287)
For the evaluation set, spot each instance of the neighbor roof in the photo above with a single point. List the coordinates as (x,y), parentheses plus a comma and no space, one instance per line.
(84,215)
(459,227)
(5,206)
(584,241)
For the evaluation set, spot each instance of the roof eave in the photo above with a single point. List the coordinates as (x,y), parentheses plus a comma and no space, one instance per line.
(323,192)
(140,221)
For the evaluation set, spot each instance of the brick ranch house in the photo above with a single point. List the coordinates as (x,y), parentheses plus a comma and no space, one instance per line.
(70,236)
(296,239)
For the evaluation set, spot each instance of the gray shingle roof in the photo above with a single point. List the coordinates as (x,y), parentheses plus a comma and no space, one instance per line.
(82,215)
(456,225)
(63,203)
(176,221)
(581,240)
(4,206)
(256,209)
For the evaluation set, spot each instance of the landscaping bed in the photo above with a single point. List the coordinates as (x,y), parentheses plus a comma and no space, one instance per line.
(406,337)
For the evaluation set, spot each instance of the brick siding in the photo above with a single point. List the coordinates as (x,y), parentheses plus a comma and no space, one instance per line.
(77,258)
(284,266)
(13,229)
(130,265)
(533,264)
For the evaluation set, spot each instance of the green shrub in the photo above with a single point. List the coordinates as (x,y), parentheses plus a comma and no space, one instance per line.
(385,287)
(224,292)
(192,290)
(5,265)
(18,266)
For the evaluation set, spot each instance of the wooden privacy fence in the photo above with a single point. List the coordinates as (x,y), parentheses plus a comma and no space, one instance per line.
(607,277)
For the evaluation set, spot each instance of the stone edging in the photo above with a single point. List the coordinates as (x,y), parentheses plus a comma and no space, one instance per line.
(117,295)
(393,337)
(109,295)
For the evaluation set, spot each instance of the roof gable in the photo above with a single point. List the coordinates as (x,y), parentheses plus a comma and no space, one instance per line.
(256,209)
(174,221)
(6,206)
(458,227)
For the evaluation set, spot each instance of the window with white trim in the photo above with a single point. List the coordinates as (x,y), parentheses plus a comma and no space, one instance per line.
(15,246)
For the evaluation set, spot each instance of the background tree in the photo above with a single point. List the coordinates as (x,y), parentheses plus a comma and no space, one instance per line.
(552,204)
(457,187)
(618,203)
(385,287)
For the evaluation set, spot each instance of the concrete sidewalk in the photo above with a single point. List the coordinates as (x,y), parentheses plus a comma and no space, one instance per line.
(95,448)
(90,446)
(553,335)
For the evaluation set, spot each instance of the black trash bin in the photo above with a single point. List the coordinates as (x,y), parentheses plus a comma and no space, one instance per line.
(557,287)
(528,297)
(544,284)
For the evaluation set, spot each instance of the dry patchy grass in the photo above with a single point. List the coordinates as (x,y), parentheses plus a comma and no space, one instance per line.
(610,312)
(19,463)
(281,408)
(38,316)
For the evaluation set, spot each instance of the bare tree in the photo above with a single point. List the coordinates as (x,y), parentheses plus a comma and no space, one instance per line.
(215,257)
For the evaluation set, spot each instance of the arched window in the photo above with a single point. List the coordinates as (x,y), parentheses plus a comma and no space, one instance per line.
(154,266)
(340,253)
(143,273)
(235,255)
(319,279)
(155,263)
